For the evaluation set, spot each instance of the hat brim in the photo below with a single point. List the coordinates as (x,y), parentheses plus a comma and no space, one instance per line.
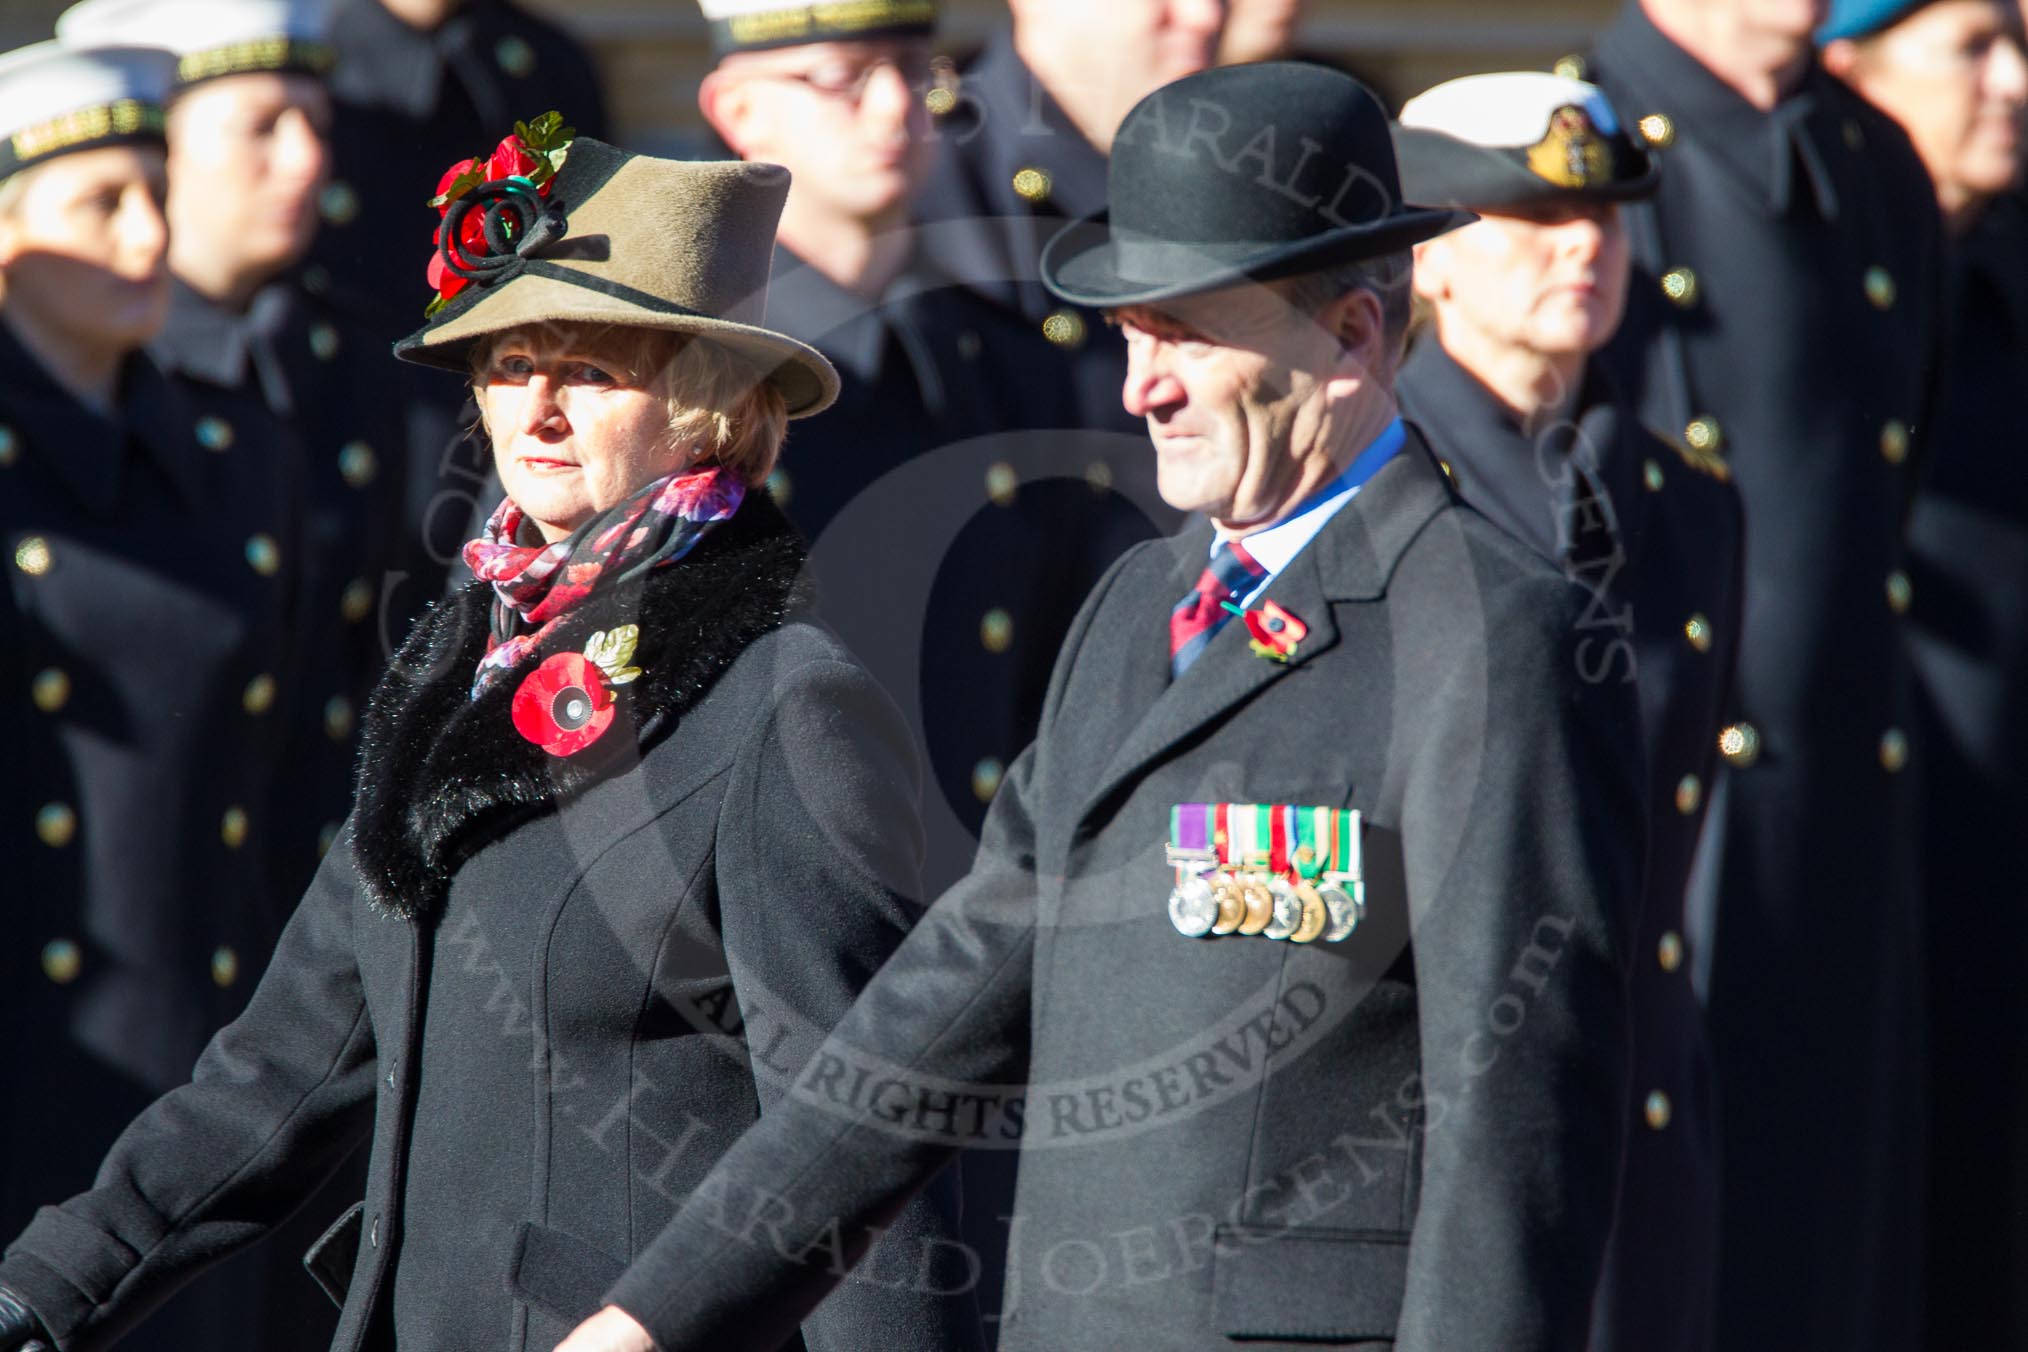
(1083,263)
(1439,167)
(807,382)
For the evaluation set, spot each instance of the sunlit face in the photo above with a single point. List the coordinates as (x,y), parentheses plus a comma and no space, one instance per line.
(1553,281)
(1119,51)
(848,119)
(84,249)
(573,433)
(247,157)
(1953,75)
(1241,394)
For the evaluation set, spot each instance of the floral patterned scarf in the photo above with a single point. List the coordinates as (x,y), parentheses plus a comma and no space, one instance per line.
(537,585)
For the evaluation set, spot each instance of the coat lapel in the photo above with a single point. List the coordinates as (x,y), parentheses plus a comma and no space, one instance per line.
(441,773)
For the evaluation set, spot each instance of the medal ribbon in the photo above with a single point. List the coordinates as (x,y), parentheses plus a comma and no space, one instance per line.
(1250,835)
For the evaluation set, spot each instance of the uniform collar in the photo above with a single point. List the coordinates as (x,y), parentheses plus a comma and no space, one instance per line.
(385,63)
(204,340)
(1777,153)
(1044,137)
(806,304)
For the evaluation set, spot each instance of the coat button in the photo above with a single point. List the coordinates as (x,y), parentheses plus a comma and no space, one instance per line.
(373,1233)
(970,345)
(56,825)
(1002,483)
(259,696)
(224,966)
(263,555)
(62,961)
(1658,130)
(33,556)
(1669,951)
(1855,138)
(1657,1110)
(339,203)
(996,630)
(357,464)
(1739,743)
(1894,441)
(1880,287)
(214,434)
(50,689)
(1680,286)
(1651,475)
(1098,476)
(338,719)
(1704,434)
(1033,185)
(1900,592)
(1570,67)
(10,447)
(232,827)
(1893,751)
(1066,329)
(324,342)
(357,601)
(515,56)
(940,99)
(1689,794)
(986,777)
(1697,629)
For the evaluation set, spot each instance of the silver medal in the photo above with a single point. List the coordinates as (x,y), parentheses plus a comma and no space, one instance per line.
(1346,900)
(1193,907)
(1288,910)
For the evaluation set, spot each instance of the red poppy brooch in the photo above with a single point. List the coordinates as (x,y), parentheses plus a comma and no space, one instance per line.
(496,211)
(567,702)
(1272,632)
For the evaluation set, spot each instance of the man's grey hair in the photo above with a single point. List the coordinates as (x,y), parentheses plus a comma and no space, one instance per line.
(1389,277)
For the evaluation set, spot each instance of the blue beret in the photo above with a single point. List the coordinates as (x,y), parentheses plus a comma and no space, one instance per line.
(1864,18)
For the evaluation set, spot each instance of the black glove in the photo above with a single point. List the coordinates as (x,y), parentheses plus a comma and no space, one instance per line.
(20,1331)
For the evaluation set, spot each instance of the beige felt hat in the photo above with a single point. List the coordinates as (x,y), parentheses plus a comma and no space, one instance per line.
(625,239)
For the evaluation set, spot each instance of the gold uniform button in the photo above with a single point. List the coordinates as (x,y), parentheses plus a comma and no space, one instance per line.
(338,718)
(778,486)
(969,345)
(996,630)
(1669,951)
(259,695)
(1697,629)
(339,203)
(214,434)
(357,464)
(33,557)
(62,961)
(1658,130)
(232,827)
(1098,476)
(1894,438)
(56,825)
(1570,67)
(1855,139)
(1065,328)
(323,342)
(1657,1110)
(10,446)
(1880,287)
(1680,286)
(1033,185)
(1893,751)
(1704,435)
(1739,743)
(1689,794)
(1651,474)
(515,56)
(224,966)
(263,555)
(356,602)
(940,100)
(986,777)
(51,689)
(1002,483)
(1900,592)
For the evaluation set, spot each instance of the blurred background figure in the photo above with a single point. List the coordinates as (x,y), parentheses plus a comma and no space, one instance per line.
(1259,30)
(1538,436)
(1782,318)
(273,373)
(1951,73)
(145,603)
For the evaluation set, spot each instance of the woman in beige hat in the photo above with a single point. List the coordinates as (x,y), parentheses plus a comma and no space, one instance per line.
(629,834)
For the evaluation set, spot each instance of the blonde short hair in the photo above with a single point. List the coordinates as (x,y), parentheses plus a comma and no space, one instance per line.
(718,401)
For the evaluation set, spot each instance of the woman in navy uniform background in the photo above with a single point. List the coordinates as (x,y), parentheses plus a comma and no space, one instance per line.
(144,614)
(1536,438)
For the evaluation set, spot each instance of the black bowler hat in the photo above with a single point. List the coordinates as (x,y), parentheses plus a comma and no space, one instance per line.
(1519,139)
(1243,173)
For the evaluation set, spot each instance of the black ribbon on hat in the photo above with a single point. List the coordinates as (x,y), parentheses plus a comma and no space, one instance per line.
(517,222)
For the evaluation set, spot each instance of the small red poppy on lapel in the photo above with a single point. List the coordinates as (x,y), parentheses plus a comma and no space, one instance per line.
(1275,633)
(566,703)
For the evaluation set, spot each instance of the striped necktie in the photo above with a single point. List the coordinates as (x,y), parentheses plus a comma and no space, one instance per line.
(1232,574)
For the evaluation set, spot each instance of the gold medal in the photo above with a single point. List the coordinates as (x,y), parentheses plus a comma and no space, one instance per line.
(1231,904)
(1260,904)
(1316,916)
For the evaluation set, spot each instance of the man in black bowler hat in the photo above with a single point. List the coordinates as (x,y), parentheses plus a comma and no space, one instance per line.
(1783,317)
(1506,387)
(1383,1105)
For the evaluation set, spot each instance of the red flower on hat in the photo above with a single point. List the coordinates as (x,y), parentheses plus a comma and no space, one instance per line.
(563,706)
(533,154)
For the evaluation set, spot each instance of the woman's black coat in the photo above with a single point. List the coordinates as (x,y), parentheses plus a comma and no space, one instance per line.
(549,991)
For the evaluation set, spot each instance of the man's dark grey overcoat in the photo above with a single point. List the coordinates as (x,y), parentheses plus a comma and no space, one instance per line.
(1407,1140)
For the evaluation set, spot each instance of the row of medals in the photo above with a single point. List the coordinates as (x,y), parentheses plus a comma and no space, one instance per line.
(1210,900)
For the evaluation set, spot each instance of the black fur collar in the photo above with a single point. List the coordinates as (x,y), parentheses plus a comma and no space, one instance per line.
(440,773)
